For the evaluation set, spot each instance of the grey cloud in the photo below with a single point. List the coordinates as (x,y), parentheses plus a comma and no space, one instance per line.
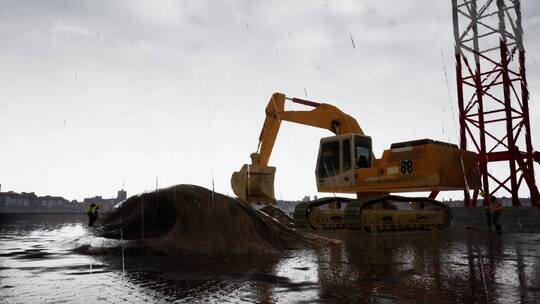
(179,73)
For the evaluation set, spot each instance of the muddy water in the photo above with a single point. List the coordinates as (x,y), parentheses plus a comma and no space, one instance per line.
(37,264)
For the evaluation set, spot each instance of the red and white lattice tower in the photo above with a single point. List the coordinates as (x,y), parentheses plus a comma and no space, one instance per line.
(492,96)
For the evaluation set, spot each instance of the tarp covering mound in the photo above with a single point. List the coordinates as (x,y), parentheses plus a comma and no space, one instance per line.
(188,219)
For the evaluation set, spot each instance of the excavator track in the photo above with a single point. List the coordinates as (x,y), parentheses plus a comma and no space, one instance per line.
(373,215)
(309,214)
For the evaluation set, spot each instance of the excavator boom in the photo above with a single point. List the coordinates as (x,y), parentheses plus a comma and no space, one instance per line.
(322,116)
(255,183)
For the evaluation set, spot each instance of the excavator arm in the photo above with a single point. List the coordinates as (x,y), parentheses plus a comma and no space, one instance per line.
(322,116)
(255,183)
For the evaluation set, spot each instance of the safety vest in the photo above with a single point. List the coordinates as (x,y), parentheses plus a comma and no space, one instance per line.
(496,206)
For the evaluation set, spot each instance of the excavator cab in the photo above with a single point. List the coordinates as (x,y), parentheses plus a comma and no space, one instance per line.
(338,158)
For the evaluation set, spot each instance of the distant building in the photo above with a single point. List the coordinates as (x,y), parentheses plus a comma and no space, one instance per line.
(106,204)
(121,196)
(29,202)
(505,201)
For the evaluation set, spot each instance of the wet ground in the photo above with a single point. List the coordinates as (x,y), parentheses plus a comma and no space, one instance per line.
(37,265)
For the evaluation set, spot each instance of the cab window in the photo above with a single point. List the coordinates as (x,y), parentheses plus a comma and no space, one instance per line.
(329,159)
(346,155)
(362,152)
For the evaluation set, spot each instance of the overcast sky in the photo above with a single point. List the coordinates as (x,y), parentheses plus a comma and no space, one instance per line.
(95,95)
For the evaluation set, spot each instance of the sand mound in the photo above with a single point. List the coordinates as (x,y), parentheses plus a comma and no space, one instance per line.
(187,219)
(279,215)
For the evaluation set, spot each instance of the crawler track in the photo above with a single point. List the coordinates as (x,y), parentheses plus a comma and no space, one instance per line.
(369,216)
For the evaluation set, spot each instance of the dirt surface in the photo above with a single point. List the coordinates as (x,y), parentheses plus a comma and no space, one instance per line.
(516,220)
(188,219)
(279,215)
(38,265)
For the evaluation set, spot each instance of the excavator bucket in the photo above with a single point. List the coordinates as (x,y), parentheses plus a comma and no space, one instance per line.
(253,184)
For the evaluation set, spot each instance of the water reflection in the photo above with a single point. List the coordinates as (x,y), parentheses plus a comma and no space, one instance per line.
(431,267)
(37,264)
(300,273)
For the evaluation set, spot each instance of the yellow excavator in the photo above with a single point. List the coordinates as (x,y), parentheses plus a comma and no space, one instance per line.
(346,164)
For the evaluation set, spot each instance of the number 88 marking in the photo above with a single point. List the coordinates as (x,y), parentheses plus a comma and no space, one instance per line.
(406,166)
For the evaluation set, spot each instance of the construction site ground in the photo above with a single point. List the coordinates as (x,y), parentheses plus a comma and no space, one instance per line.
(458,266)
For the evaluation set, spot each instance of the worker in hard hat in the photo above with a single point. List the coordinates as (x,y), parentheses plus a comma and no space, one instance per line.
(487,209)
(494,210)
(92,213)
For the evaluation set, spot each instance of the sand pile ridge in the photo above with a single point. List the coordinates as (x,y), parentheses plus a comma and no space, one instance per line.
(188,219)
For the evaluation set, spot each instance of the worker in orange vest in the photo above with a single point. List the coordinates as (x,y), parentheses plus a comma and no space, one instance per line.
(494,210)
